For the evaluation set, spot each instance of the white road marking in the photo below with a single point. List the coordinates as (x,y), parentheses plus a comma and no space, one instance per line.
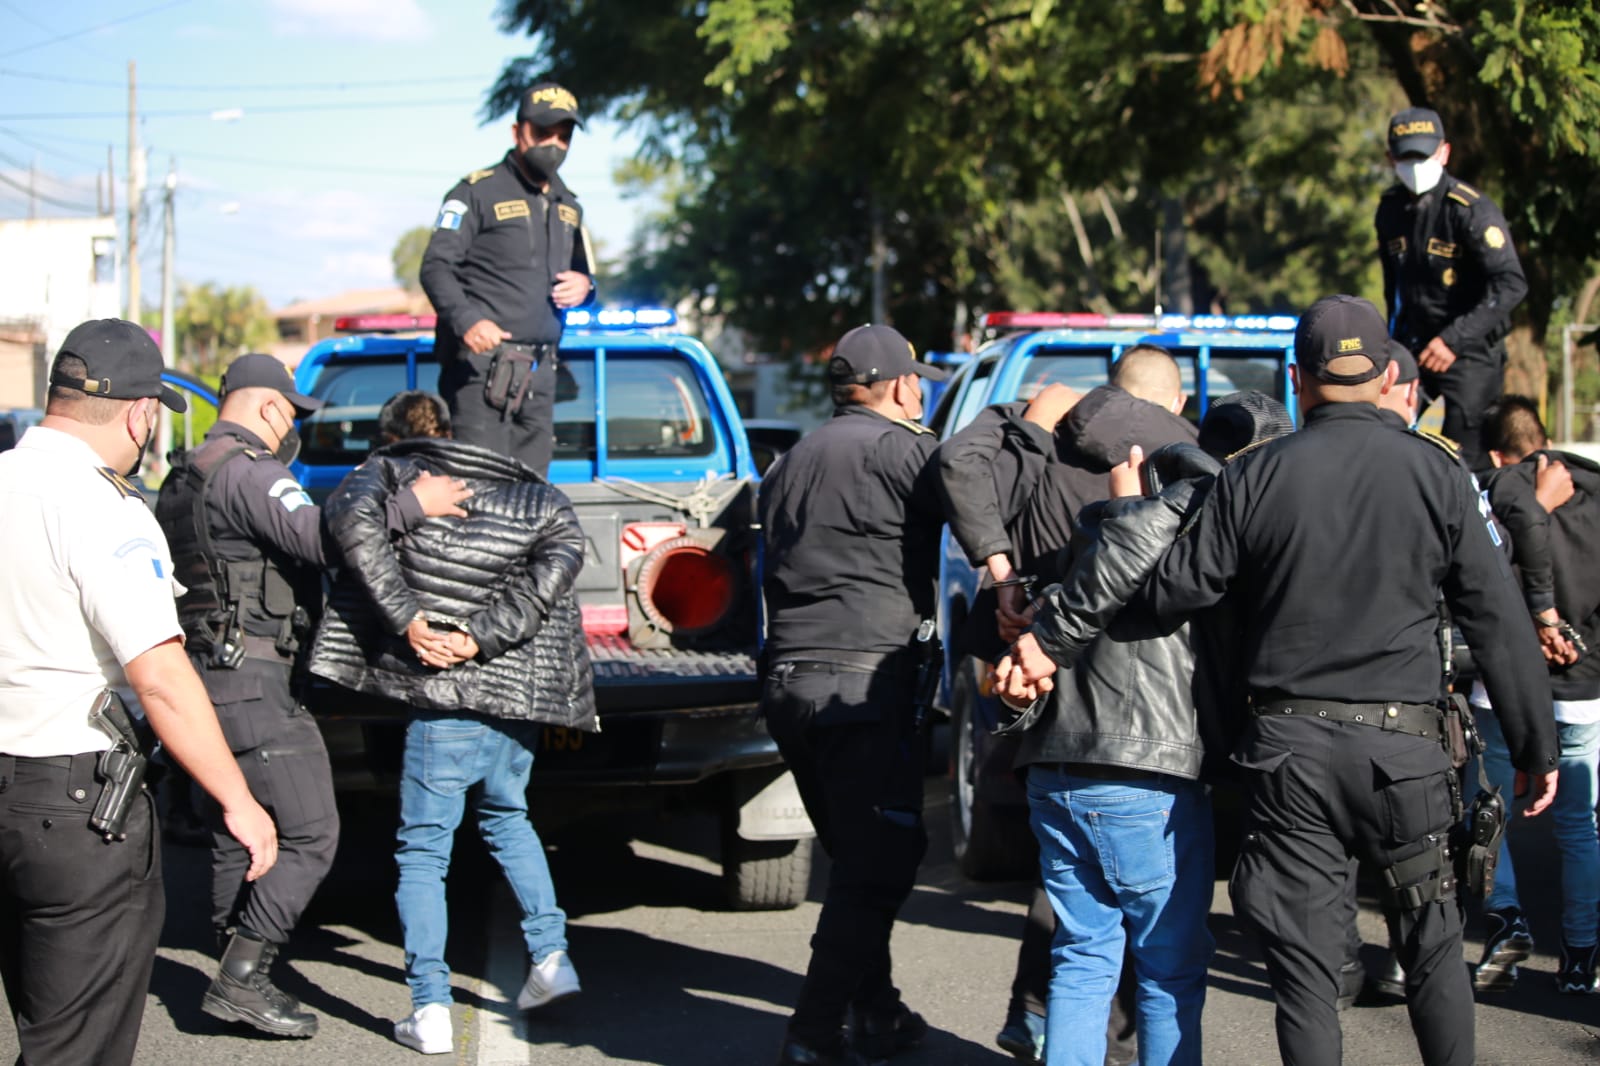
(502,1029)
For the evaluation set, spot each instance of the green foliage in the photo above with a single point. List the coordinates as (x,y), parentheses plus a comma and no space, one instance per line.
(407,257)
(215,325)
(1031,154)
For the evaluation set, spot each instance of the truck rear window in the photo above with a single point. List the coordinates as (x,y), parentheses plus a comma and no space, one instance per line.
(655,406)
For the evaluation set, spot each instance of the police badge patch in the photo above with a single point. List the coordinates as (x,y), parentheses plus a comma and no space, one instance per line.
(450,215)
(1494,238)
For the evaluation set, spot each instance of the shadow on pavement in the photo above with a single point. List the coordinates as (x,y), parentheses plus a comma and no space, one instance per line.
(647,1000)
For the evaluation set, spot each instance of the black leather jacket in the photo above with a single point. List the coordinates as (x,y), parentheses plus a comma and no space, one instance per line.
(507,570)
(1125,694)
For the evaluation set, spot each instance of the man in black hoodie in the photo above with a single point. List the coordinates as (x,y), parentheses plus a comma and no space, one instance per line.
(1554,523)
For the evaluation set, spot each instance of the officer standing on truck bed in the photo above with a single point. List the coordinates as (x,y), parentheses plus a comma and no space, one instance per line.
(249,547)
(851,517)
(1450,276)
(86,608)
(508,254)
(1343,757)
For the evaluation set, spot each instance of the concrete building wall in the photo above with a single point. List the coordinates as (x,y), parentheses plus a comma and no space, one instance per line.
(58,272)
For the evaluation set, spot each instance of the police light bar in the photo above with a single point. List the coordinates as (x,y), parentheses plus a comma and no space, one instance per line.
(383,323)
(620,318)
(996,320)
(1246,323)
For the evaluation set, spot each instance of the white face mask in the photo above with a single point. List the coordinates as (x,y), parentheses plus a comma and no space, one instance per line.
(1419,176)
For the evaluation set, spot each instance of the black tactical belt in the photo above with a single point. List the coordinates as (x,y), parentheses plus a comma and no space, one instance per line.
(832,661)
(1415,719)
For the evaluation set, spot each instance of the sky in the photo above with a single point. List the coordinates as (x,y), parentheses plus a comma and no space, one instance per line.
(357,117)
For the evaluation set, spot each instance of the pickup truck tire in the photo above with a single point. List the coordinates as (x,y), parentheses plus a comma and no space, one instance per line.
(990,844)
(764,875)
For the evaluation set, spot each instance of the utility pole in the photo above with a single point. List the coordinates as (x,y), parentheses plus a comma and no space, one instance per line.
(135,175)
(169,322)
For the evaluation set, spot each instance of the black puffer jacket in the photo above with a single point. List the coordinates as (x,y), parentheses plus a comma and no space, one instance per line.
(1128,699)
(507,569)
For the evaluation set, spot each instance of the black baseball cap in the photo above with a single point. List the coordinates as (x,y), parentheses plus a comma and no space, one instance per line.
(1338,327)
(877,353)
(1416,131)
(123,363)
(548,104)
(1401,356)
(257,370)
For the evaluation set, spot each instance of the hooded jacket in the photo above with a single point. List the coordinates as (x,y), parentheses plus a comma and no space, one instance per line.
(1011,486)
(507,570)
(1554,554)
(1128,699)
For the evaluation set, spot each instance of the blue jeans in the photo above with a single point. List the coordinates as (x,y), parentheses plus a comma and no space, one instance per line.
(1125,858)
(1573,815)
(445,756)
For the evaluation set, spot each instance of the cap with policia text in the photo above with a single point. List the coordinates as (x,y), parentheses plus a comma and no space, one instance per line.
(1337,330)
(122,361)
(1415,132)
(259,371)
(548,104)
(877,353)
(1401,356)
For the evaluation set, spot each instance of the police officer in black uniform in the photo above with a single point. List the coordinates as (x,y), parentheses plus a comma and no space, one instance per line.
(1343,756)
(249,548)
(508,255)
(851,517)
(1450,276)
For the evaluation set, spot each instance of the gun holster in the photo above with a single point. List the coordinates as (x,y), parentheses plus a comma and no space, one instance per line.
(1477,859)
(121,767)
(511,368)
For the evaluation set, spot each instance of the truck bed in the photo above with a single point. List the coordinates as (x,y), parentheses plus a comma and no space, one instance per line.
(631,679)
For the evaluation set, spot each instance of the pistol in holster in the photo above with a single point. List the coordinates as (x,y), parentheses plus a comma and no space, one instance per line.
(928,654)
(121,767)
(1475,840)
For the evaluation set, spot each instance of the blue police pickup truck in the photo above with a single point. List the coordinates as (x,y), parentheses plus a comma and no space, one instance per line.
(1217,355)
(652,453)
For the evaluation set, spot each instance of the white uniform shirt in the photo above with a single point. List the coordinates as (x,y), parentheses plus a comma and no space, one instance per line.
(85,586)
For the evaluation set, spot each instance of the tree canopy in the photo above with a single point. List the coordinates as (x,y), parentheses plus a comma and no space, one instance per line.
(956,155)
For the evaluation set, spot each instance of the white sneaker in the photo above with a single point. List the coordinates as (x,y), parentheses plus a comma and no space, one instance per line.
(548,981)
(428,1030)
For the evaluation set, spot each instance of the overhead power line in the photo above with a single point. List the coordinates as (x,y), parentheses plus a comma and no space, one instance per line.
(269,109)
(93,29)
(58,153)
(246,87)
(42,198)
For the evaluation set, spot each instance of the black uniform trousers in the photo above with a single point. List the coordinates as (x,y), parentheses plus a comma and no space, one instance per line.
(1473,382)
(285,762)
(526,433)
(848,736)
(79,917)
(1321,793)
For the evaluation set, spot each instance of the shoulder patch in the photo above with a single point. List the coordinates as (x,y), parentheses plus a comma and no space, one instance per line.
(915,427)
(450,215)
(1443,443)
(288,492)
(1494,237)
(477,176)
(120,483)
(1466,190)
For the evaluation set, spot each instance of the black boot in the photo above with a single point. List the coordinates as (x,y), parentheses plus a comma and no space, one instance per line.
(243,990)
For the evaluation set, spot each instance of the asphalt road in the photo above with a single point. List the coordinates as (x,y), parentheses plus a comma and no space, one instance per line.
(670,979)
